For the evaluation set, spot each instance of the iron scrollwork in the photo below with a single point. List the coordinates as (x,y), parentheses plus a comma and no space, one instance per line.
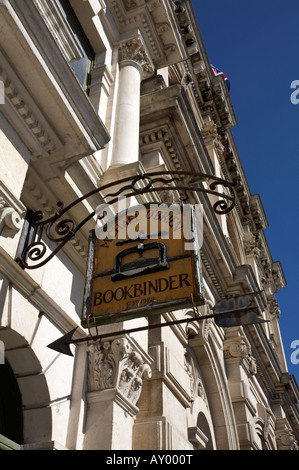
(60,230)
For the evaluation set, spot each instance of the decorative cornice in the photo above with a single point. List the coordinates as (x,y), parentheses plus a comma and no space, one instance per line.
(25,113)
(154,19)
(162,136)
(211,275)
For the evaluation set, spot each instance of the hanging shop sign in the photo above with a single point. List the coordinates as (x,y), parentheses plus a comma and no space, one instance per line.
(143,261)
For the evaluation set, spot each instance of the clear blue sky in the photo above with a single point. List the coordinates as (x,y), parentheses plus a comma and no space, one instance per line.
(256,44)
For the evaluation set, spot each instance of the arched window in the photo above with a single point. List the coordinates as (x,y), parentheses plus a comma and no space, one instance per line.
(200,436)
(203,425)
(11,413)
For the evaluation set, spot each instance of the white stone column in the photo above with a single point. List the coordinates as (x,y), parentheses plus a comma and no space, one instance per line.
(135,65)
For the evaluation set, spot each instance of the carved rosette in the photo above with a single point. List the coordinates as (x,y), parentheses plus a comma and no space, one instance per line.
(133,52)
(116,364)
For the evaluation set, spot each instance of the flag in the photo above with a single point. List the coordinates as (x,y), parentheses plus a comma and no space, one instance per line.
(218,72)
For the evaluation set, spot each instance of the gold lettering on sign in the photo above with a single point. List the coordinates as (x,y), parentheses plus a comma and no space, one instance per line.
(151,272)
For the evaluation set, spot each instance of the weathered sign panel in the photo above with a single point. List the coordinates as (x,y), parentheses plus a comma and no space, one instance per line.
(142,263)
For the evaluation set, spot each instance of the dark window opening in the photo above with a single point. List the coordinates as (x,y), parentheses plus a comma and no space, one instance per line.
(82,66)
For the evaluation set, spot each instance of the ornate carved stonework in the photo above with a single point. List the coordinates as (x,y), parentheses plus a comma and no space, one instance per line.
(286,440)
(205,325)
(238,349)
(196,384)
(211,137)
(133,50)
(115,364)
(273,305)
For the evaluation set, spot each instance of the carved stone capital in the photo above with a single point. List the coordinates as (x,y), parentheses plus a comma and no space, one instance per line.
(286,440)
(238,350)
(132,51)
(116,364)
(209,132)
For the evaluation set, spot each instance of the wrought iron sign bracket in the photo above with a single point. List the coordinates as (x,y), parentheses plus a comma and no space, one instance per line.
(60,228)
(230,313)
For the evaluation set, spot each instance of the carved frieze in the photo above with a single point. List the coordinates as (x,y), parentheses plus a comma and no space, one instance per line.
(165,139)
(116,364)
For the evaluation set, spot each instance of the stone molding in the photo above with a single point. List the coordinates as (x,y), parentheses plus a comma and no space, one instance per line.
(60,29)
(117,364)
(23,110)
(138,13)
(162,137)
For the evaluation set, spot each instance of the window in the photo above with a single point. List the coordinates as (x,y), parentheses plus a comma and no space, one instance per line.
(69,35)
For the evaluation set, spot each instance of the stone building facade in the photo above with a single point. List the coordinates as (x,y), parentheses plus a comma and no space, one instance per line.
(97,91)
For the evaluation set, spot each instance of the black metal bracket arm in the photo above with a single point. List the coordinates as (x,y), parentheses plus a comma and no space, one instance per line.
(60,228)
(239,316)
